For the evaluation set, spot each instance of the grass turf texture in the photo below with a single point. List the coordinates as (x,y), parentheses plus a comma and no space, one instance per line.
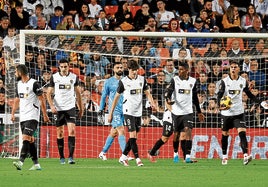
(95,172)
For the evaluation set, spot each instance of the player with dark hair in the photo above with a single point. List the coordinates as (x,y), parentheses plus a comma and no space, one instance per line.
(29,100)
(132,87)
(65,86)
(233,117)
(110,87)
(181,94)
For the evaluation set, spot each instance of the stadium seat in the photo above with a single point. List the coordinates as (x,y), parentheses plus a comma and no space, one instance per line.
(134,9)
(75,71)
(200,51)
(54,69)
(150,81)
(155,70)
(164,54)
(111,9)
(141,71)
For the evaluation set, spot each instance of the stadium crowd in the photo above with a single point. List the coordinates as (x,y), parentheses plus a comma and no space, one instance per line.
(158,57)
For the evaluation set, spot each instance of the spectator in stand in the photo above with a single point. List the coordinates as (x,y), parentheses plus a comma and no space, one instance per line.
(219,7)
(212,107)
(67,23)
(97,43)
(97,65)
(211,90)
(235,52)
(63,51)
(71,7)
(142,16)
(37,12)
(123,43)
(261,8)
(151,55)
(40,66)
(49,6)
(4,11)
(90,24)
(42,23)
(247,19)
(56,18)
(9,40)
(202,99)
(196,6)
(202,82)
(198,42)
(151,25)
(215,75)
(82,15)
(158,88)
(111,49)
(172,42)
(29,59)
(41,47)
(18,17)
(214,49)
(224,60)
(124,17)
(209,22)
(186,22)
(2,99)
(162,16)
(102,21)
(170,70)
(255,28)
(256,75)
(4,23)
(258,51)
(88,103)
(231,20)
(103,3)
(94,8)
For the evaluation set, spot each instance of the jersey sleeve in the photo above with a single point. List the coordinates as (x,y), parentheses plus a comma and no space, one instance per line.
(221,91)
(77,82)
(195,99)
(37,88)
(145,85)
(170,89)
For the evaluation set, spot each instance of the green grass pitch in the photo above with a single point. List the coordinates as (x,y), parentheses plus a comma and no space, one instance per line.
(164,173)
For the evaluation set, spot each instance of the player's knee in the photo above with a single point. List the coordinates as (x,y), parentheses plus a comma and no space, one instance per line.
(225,133)
(164,139)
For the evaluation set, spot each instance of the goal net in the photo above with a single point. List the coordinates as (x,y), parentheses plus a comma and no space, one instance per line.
(91,55)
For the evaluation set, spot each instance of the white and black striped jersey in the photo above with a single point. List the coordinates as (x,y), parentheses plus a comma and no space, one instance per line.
(234,89)
(132,90)
(184,94)
(64,91)
(28,93)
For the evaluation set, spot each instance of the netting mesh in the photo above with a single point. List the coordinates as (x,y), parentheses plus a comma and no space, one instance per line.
(91,55)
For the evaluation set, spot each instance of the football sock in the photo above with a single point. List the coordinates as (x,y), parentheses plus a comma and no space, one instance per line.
(157,146)
(243,140)
(60,143)
(134,147)
(33,152)
(71,145)
(188,147)
(127,148)
(224,144)
(183,148)
(24,150)
(108,143)
(176,146)
(122,142)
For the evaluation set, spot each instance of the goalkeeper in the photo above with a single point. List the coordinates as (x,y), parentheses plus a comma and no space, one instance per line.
(109,90)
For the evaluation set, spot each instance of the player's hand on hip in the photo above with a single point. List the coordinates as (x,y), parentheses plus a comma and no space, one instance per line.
(46,118)
(80,113)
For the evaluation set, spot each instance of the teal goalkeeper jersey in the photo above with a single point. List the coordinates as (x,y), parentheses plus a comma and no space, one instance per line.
(109,90)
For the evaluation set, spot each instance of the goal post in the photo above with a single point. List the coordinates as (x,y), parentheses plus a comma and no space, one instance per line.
(152,50)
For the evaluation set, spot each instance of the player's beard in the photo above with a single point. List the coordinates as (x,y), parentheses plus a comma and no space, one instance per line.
(119,73)
(18,78)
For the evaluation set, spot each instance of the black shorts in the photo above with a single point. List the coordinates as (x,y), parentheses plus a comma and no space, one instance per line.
(182,121)
(167,129)
(133,123)
(229,122)
(64,117)
(28,127)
